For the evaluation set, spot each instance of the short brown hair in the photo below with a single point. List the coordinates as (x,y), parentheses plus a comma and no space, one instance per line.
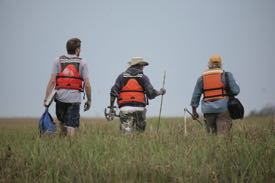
(72,45)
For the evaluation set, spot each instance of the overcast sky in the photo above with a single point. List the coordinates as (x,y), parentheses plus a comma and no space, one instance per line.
(173,35)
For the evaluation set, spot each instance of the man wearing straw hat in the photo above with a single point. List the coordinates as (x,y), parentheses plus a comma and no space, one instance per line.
(215,84)
(132,90)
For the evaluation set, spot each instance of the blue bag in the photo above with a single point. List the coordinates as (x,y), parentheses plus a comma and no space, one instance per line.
(46,123)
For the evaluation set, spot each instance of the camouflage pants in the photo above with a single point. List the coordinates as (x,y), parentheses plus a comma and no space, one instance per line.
(218,123)
(131,121)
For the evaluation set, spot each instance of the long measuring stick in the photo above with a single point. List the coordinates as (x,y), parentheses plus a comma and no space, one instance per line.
(163,83)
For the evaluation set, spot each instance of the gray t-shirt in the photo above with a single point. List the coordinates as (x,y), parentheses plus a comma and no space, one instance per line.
(66,95)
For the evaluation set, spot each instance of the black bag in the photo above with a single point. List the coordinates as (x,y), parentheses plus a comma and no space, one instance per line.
(234,106)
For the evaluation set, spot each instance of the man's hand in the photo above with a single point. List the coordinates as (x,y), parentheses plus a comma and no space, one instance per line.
(44,102)
(112,110)
(87,105)
(162,91)
(195,115)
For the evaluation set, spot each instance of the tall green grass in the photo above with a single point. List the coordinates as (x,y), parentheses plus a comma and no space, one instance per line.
(100,153)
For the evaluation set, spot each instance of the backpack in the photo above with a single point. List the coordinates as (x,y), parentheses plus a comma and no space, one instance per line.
(46,124)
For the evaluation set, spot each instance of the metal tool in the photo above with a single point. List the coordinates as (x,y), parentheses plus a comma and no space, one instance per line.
(111,114)
(186,110)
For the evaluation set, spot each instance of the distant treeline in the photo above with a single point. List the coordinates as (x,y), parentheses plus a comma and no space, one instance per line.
(266,111)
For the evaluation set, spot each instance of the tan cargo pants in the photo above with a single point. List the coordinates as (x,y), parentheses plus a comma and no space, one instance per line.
(218,123)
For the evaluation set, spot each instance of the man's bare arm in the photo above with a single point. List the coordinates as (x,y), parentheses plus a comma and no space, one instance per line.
(88,89)
(50,86)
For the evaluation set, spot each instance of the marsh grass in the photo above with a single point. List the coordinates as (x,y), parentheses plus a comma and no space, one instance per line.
(100,153)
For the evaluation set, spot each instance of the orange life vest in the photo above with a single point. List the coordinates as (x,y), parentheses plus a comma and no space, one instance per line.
(69,76)
(131,92)
(213,86)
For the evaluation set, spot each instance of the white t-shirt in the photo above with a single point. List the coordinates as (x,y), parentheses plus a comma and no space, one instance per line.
(66,95)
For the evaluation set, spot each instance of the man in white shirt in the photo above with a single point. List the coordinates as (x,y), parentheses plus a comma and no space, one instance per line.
(69,77)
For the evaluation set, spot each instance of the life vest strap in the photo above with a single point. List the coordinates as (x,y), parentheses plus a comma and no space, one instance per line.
(132,91)
(72,77)
(223,95)
(211,89)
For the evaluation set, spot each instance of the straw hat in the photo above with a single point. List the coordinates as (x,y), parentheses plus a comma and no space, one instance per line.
(137,61)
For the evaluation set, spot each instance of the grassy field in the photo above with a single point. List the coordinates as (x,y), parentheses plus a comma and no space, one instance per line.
(100,153)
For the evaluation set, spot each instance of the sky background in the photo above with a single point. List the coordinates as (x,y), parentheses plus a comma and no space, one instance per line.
(173,35)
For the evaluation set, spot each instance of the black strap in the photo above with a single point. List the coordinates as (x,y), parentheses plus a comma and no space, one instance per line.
(227,86)
(211,89)
(72,77)
(131,91)
(214,96)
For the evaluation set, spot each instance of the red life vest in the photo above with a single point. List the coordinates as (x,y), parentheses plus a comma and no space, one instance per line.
(131,92)
(213,86)
(69,77)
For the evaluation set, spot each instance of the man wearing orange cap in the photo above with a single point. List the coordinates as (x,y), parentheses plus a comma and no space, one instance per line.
(215,85)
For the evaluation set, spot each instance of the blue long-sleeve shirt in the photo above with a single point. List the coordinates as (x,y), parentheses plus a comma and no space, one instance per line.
(217,106)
